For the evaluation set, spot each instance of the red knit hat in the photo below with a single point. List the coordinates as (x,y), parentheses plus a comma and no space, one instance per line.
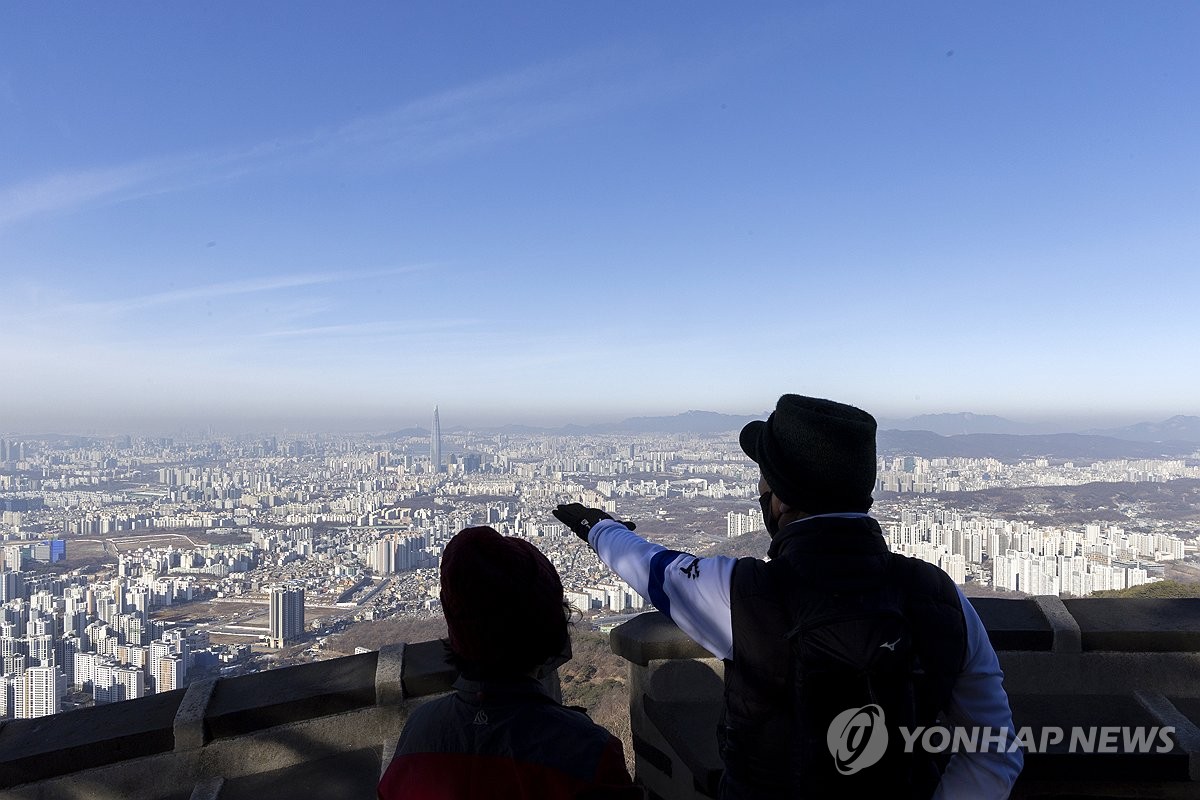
(503,602)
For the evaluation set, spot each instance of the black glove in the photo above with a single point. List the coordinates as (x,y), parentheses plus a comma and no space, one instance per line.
(580,519)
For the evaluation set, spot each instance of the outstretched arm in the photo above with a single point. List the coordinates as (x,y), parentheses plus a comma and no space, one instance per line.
(692,591)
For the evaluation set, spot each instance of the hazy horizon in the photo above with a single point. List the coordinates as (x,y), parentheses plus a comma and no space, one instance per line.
(218,214)
(454,419)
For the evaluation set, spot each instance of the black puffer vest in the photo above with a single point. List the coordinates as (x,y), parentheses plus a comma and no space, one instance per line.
(828,554)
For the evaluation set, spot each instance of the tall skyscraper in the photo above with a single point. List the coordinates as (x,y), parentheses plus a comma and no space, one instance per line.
(287,615)
(435,443)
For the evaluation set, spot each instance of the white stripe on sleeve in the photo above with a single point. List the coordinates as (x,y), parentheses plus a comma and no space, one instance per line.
(692,591)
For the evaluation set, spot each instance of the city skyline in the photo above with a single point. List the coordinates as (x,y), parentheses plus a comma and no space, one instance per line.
(544,214)
(466,420)
(137,566)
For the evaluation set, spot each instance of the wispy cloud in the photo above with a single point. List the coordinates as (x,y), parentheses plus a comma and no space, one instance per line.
(69,190)
(498,109)
(442,125)
(373,329)
(193,294)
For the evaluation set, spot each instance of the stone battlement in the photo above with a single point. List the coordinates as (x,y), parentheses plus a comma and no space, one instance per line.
(325,729)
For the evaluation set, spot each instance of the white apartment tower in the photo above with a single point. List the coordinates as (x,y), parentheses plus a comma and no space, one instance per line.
(38,692)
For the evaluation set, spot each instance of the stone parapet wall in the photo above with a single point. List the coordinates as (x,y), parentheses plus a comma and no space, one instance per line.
(1087,662)
(325,729)
(321,729)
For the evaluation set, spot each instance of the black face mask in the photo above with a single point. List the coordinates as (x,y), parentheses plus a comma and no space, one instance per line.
(772,523)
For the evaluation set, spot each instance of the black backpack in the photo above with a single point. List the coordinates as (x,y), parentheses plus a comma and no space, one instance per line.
(856,679)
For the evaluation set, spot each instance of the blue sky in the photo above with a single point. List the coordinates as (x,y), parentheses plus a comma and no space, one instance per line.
(341,214)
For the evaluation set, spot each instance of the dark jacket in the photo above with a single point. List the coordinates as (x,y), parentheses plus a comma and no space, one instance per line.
(504,739)
(814,557)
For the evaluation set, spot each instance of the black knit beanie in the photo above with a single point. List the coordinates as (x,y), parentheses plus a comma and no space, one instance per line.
(817,456)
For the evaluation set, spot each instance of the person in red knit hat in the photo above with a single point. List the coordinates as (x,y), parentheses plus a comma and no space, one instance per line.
(500,734)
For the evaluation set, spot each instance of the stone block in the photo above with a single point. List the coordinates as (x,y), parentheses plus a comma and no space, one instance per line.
(389,675)
(189,718)
(262,700)
(1146,625)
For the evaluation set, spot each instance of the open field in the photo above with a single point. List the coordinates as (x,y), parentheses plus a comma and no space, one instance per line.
(122,543)
(85,549)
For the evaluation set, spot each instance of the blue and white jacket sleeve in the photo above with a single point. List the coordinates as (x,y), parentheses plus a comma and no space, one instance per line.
(979,700)
(692,591)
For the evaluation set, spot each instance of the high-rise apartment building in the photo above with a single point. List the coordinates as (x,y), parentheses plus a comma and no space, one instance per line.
(13,558)
(287,615)
(169,673)
(65,650)
(435,443)
(41,650)
(38,693)
(383,556)
(85,670)
(10,584)
(129,683)
(8,695)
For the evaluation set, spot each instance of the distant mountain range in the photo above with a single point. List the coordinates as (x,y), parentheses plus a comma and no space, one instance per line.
(1175,429)
(932,435)
(687,422)
(966,423)
(700,422)
(1006,446)
(406,433)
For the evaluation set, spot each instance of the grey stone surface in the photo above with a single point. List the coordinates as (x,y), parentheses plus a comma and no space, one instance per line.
(1014,624)
(347,774)
(652,636)
(167,776)
(389,675)
(208,789)
(263,700)
(683,725)
(1147,625)
(1098,673)
(1187,735)
(37,749)
(291,744)
(1066,629)
(189,718)
(426,670)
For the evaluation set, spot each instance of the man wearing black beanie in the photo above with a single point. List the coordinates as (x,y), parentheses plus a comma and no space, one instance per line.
(833,644)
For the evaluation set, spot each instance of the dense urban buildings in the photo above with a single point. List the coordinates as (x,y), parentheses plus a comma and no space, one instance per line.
(135,565)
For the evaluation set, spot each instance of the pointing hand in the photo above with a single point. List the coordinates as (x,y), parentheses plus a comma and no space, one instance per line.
(580,519)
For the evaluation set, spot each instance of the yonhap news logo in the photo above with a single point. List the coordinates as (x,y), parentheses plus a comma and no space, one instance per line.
(858,738)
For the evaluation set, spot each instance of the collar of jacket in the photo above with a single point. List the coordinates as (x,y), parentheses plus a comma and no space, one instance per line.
(849,535)
(501,690)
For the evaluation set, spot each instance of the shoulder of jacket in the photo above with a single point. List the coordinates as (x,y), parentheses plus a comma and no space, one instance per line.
(750,576)
(928,580)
